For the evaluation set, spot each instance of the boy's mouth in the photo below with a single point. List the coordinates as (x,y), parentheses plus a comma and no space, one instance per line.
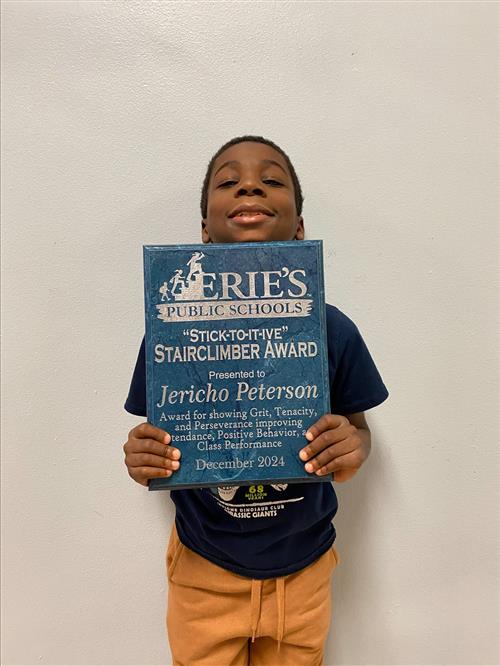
(249,218)
(250,213)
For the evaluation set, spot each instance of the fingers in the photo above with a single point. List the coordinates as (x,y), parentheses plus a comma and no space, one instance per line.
(148,453)
(330,458)
(149,460)
(330,429)
(326,422)
(134,445)
(350,461)
(335,444)
(143,474)
(148,431)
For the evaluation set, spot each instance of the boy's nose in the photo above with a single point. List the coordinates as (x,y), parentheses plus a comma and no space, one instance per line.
(249,186)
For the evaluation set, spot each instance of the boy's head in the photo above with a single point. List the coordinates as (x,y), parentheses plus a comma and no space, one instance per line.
(251,193)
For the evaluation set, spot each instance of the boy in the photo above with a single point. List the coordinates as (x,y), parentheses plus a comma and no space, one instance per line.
(254,588)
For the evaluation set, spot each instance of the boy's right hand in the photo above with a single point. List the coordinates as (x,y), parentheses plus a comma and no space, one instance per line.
(148,454)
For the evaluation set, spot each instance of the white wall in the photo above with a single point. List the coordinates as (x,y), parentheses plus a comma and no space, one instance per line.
(389,111)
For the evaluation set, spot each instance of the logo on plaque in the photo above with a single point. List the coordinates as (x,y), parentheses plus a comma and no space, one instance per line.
(189,287)
(191,294)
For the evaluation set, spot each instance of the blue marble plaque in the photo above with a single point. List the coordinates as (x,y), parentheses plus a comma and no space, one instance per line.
(236,358)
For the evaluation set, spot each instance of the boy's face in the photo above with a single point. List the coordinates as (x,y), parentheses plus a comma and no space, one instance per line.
(251,197)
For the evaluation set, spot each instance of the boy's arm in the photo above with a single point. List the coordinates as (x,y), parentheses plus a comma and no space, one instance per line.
(338,445)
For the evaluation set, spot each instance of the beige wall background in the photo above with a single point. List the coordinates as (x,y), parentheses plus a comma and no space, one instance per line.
(389,111)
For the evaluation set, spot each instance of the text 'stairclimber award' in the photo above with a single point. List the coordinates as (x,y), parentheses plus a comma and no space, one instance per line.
(236,358)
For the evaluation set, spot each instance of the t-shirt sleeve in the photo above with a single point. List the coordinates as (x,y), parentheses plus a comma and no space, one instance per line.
(136,399)
(355,383)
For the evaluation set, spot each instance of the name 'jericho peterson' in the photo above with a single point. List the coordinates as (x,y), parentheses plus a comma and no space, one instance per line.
(243,391)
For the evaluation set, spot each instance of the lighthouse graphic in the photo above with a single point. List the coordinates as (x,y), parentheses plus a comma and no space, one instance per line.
(188,287)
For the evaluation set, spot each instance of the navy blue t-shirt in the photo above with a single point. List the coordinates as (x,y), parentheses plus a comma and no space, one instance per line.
(274,530)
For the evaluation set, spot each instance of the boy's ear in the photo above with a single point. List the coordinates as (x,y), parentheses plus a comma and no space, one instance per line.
(299,234)
(205,236)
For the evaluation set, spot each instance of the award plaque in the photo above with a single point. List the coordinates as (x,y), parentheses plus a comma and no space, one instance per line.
(236,358)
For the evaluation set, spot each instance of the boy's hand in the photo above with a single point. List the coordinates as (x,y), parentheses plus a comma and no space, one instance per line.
(338,445)
(148,454)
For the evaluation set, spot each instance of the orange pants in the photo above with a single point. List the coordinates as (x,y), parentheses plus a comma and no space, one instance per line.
(217,618)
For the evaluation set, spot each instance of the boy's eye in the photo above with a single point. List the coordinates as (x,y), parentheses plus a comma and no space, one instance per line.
(227,183)
(272,182)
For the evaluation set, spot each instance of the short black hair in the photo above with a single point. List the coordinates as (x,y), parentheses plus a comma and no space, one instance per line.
(299,199)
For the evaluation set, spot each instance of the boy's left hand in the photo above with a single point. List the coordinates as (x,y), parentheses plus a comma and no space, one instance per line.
(338,445)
